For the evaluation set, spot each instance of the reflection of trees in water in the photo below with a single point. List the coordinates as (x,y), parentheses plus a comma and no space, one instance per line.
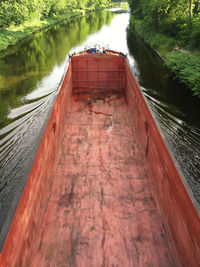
(21,70)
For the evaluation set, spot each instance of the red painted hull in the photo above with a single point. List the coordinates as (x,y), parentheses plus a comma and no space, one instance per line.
(103,189)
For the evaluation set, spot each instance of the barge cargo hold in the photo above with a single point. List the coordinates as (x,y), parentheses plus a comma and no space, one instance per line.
(104,189)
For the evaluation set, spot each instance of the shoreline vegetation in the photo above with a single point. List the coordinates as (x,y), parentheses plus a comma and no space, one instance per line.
(172,30)
(16,25)
(12,35)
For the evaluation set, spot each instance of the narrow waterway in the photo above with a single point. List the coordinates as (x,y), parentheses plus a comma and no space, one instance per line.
(30,75)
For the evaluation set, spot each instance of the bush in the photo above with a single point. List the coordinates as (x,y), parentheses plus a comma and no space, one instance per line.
(186,67)
(195,33)
(13,13)
(155,40)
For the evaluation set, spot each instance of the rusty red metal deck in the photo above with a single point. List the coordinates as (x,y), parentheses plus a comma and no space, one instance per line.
(103,190)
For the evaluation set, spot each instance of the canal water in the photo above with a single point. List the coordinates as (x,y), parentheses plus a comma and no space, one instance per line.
(30,75)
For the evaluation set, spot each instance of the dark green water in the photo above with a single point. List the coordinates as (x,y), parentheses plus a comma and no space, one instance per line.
(30,75)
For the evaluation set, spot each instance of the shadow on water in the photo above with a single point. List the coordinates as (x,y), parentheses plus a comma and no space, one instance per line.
(174,107)
(30,74)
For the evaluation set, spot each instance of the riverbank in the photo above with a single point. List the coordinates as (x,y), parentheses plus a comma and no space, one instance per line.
(183,62)
(12,35)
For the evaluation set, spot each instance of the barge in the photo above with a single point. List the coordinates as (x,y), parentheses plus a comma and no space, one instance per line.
(104,189)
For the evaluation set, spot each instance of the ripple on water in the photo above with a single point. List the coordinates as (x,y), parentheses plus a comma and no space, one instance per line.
(182,138)
(17,147)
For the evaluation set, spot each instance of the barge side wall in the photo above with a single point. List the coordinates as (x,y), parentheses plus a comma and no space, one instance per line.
(98,72)
(18,247)
(179,211)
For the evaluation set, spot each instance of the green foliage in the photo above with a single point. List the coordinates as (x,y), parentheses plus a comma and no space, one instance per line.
(123,4)
(13,12)
(154,39)
(40,14)
(177,19)
(10,36)
(164,23)
(20,18)
(186,67)
(195,33)
(16,12)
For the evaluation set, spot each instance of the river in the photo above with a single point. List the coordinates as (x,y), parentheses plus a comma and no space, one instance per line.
(30,75)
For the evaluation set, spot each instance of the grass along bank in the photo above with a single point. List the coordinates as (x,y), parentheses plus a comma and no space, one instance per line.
(184,63)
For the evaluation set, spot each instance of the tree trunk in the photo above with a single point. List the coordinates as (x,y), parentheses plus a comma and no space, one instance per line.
(190,9)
